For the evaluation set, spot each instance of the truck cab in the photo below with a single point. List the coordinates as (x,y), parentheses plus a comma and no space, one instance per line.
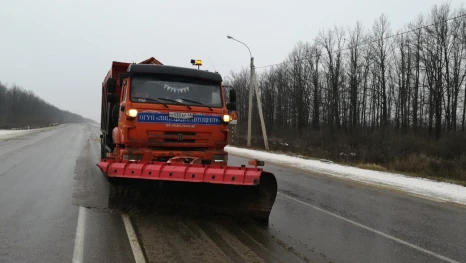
(154,112)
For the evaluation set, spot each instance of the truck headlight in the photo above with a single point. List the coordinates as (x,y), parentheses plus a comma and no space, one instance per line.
(132,113)
(226,118)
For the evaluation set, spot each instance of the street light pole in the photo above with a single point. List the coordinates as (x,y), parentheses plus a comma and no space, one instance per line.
(253,85)
(251,78)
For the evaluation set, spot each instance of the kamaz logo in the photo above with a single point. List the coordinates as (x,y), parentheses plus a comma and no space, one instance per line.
(180,125)
(180,137)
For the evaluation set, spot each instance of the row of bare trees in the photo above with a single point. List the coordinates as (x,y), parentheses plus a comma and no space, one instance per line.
(357,78)
(395,98)
(21,108)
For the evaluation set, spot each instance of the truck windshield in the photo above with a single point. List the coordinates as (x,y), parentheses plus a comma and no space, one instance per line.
(175,90)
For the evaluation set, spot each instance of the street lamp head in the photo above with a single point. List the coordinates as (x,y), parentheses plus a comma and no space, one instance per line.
(232,38)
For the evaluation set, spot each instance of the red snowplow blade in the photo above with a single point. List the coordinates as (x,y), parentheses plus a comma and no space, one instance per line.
(180,172)
(190,188)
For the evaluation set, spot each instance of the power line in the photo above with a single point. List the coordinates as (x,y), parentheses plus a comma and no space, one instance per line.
(370,41)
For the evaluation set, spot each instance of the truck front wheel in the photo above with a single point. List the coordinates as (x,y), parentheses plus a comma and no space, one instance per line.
(103,150)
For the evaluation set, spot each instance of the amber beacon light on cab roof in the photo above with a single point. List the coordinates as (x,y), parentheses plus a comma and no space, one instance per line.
(169,125)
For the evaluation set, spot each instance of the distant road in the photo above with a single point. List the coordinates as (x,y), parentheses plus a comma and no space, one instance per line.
(45,177)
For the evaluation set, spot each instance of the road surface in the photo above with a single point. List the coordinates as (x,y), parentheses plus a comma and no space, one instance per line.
(46,177)
(37,217)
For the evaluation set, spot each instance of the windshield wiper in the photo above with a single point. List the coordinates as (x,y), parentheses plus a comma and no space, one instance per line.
(200,103)
(181,103)
(150,99)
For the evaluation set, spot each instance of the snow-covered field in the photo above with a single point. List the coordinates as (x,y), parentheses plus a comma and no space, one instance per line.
(419,186)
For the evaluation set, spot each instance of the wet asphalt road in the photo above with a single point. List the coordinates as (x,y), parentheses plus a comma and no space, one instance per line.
(349,222)
(37,220)
(45,176)
(37,216)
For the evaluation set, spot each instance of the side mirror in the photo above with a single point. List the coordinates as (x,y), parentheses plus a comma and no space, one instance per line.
(111,85)
(233,95)
(231,106)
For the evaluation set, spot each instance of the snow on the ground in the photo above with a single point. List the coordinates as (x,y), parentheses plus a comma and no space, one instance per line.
(10,134)
(13,132)
(419,186)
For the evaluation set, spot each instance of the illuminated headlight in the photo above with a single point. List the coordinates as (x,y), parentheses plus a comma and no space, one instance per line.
(132,113)
(226,118)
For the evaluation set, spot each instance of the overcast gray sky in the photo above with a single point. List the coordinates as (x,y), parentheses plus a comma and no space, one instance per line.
(62,49)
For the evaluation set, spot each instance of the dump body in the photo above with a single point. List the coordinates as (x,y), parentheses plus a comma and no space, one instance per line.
(163,123)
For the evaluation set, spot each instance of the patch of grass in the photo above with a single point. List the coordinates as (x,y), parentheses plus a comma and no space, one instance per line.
(413,163)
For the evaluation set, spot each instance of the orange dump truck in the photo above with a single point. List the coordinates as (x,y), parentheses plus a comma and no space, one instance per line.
(169,125)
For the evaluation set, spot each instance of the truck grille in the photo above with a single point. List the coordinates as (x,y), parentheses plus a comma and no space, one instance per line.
(158,137)
(189,149)
(178,140)
(177,133)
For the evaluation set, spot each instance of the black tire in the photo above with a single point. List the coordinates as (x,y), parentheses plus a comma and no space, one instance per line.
(103,150)
(262,220)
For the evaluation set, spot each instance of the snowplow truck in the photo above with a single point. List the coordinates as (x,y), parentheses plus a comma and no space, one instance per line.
(163,134)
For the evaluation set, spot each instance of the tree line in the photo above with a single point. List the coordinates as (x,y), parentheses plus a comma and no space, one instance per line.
(401,92)
(21,108)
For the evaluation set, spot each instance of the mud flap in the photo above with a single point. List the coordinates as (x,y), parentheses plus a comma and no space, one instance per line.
(195,199)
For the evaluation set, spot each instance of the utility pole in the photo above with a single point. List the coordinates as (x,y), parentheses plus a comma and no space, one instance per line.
(253,84)
(261,116)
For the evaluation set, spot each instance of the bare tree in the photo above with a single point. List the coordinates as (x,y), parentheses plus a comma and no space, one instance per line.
(332,43)
(380,45)
(355,71)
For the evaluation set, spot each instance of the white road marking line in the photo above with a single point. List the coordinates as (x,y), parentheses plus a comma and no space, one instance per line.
(133,240)
(79,239)
(372,230)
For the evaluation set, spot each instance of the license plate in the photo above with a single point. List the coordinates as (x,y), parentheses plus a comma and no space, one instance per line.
(180,115)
